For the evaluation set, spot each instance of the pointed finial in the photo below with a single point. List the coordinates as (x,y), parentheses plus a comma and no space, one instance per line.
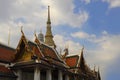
(82,50)
(48,22)
(9,37)
(35,33)
(22,30)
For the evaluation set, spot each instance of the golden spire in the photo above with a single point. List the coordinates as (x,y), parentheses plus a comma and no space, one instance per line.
(49,37)
(48,22)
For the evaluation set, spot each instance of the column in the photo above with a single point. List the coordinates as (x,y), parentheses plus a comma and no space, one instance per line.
(49,75)
(60,76)
(19,74)
(67,77)
(36,73)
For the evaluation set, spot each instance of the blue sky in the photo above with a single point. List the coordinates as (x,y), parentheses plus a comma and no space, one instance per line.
(92,23)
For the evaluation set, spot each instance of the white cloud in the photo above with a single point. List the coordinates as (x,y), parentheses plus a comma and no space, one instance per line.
(82,35)
(113,3)
(107,50)
(104,32)
(86,1)
(105,42)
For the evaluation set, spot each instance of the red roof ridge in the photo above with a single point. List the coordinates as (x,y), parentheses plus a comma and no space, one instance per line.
(40,51)
(7,46)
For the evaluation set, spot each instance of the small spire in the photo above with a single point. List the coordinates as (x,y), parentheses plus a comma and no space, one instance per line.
(9,37)
(48,22)
(41,36)
(48,36)
(35,33)
(94,67)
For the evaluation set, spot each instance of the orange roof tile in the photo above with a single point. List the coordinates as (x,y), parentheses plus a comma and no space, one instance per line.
(6,53)
(48,52)
(72,61)
(35,49)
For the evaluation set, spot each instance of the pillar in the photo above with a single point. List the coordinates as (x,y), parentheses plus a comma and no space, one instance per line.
(60,76)
(67,77)
(36,73)
(49,75)
(19,74)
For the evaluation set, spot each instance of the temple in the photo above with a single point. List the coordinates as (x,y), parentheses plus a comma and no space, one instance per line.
(39,60)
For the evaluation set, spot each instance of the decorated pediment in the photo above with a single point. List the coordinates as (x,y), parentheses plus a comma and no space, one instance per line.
(22,51)
(26,49)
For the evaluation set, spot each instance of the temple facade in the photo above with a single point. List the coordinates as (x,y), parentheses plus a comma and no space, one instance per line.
(39,60)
